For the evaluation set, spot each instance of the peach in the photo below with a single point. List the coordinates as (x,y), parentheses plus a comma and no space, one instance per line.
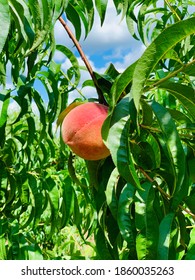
(81,130)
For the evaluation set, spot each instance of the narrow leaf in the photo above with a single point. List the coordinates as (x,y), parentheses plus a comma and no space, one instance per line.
(73,17)
(125,222)
(191,247)
(101,6)
(73,61)
(156,51)
(165,236)
(185,94)
(5,98)
(173,143)
(111,192)
(4,23)
(121,83)
(116,136)
(146,223)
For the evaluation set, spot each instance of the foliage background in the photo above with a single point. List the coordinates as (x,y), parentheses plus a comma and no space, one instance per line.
(136,204)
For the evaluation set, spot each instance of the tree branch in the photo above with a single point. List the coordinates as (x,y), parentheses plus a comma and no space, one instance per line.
(166,195)
(85,60)
(174,73)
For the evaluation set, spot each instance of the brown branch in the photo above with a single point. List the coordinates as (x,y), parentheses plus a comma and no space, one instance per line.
(166,195)
(85,60)
(151,180)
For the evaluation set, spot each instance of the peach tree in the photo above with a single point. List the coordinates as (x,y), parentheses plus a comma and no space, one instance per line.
(138,202)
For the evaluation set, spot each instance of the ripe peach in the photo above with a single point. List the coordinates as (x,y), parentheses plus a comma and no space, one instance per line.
(81,130)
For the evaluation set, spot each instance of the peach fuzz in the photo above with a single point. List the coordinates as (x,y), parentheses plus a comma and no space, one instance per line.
(81,131)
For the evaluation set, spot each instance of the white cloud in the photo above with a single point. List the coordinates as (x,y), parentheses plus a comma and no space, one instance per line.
(112,37)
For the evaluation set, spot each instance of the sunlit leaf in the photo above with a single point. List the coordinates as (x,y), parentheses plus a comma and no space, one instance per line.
(5,99)
(74,18)
(156,51)
(185,95)
(165,236)
(5,22)
(146,223)
(173,143)
(69,54)
(111,192)
(125,222)
(121,83)
(101,6)
(191,248)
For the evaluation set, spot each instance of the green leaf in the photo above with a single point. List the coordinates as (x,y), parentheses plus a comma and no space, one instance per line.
(103,248)
(40,105)
(191,247)
(174,147)
(146,223)
(60,5)
(3,254)
(89,7)
(130,24)
(125,222)
(183,93)
(36,197)
(121,6)
(146,153)
(3,229)
(68,200)
(31,130)
(190,200)
(165,236)
(111,192)
(183,231)
(43,21)
(101,6)
(4,23)
(156,51)
(121,83)
(93,167)
(190,70)
(73,17)
(34,252)
(69,54)
(156,154)
(17,12)
(5,98)
(25,193)
(115,133)
(179,117)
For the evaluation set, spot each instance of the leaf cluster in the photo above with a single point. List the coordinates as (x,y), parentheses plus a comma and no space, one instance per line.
(139,202)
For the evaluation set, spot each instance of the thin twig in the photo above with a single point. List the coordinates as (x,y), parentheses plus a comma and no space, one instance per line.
(166,195)
(73,86)
(173,10)
(84,58)
(181,69)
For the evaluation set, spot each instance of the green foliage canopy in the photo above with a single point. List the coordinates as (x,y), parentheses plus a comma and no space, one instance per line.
(139,202)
